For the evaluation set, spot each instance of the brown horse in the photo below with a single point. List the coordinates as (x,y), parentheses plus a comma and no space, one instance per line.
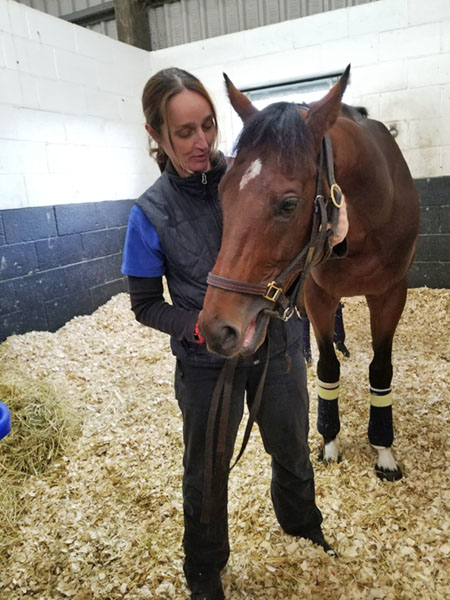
(274,199)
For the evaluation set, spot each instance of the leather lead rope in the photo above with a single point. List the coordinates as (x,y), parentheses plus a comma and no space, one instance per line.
(254,408)
(214,460)
(224,385)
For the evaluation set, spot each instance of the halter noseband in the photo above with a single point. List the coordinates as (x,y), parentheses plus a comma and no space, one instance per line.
(318,249)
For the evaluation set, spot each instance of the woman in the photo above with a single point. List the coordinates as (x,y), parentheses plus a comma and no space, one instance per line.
(175,230)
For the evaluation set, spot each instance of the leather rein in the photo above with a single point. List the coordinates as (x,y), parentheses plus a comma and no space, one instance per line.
(318,249)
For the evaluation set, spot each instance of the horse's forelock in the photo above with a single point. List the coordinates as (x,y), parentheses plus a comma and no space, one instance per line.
(278,128)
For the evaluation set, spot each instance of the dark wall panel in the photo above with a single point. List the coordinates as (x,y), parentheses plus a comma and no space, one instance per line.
(33,224)
(58,262)
(431,267)
(59,251)
(18,260)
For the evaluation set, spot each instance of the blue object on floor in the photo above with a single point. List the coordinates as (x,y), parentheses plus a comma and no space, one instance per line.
(5,420)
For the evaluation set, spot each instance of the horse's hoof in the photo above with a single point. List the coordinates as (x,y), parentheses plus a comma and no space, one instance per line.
(343,348)
(328,460)
(388,474)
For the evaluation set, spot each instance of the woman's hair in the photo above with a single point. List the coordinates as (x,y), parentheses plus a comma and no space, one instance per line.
(158,90)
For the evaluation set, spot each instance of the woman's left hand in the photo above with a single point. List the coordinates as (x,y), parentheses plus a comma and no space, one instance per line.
(342,225)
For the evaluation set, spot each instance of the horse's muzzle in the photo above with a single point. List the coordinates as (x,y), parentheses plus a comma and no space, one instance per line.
(221,337)
(228,340)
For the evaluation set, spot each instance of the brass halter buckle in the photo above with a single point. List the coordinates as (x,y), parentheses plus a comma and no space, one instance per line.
(337,197)
(273,292)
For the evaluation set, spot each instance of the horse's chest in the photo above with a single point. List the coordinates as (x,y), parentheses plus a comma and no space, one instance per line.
(355,277)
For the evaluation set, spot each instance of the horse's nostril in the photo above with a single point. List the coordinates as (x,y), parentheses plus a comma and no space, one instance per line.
(229,337)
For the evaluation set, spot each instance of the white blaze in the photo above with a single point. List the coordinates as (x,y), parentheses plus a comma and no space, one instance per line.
(253,171)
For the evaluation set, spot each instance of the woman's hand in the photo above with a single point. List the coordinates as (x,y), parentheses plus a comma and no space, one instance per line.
(342,225)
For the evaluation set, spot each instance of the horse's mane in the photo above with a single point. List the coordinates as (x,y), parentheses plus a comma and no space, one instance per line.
(279,128)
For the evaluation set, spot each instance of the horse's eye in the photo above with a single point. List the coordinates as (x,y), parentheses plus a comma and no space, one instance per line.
(287,206)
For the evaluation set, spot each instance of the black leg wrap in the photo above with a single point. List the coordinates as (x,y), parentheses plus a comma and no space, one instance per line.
(328,424)
(381,431)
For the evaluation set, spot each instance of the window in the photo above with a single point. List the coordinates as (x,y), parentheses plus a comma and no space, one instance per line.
(307,90)
(298,91)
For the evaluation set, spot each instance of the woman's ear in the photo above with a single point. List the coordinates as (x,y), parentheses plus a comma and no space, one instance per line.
(152,133)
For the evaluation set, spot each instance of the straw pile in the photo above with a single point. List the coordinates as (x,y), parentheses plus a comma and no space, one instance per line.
(104,522)
(43,427)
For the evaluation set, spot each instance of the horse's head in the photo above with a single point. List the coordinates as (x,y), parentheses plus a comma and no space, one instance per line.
(267,200)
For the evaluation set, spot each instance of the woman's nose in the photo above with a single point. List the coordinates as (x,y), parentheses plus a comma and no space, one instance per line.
(200,140)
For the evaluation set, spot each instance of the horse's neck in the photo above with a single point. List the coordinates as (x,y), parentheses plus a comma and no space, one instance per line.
(364,174)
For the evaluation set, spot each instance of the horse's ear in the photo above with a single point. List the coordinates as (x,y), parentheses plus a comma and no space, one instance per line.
(323,113)
(239,101)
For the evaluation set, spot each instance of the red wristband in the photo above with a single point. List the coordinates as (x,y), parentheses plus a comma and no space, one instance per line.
(198,336)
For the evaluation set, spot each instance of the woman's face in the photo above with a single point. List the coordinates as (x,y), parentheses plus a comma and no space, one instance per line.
(192,133)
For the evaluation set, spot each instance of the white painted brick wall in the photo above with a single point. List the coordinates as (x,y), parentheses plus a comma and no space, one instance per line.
(49,30)
(75,68)
(35,58)
(7,51)
(429,70)
(22,157)
(431,11)
(39,125)
(60,96)
(446,159)
(71,128)
(372,18)
(8,122)
(13,193)
(422,40)
(29,90)
(10,89)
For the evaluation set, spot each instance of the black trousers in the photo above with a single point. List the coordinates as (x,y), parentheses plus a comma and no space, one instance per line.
(283,423)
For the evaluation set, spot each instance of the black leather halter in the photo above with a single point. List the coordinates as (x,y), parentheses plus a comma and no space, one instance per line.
(318,249)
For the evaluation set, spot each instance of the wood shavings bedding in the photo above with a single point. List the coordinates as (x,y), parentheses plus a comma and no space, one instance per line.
(106,523)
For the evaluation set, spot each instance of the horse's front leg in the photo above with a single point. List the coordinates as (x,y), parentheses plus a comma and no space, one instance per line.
(385,313)
(321,309)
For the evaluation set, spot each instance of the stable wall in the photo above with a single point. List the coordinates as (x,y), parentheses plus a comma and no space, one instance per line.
(70,115)
(59,261)
(400,56)
(72,151)
(71,131)
(71,128)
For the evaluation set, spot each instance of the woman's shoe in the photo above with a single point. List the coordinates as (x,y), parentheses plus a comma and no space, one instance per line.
(316,537)
(207,586)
